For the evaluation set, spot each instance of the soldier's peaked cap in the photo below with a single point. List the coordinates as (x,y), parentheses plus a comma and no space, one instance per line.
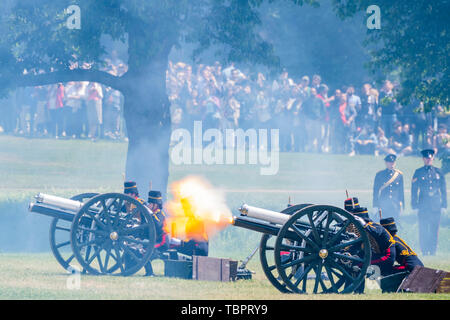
(154,197)
(389,224)
(390,157)
(350,204)
(130,187)
(427,153)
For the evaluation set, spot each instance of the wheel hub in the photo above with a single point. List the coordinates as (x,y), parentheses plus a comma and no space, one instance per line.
(114,236)
(323,253)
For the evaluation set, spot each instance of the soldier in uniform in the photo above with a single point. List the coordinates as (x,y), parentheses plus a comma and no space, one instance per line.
(155,205)
(388,190)
(404,255)
(382,243)
(383,251)
(158,216)
(130,188)
(429,197)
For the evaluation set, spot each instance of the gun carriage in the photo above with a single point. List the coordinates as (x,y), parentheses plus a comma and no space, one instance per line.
(310,248)
(303,249)
(110,233)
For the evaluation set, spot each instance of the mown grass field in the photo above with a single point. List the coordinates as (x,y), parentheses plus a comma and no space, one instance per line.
(66,168)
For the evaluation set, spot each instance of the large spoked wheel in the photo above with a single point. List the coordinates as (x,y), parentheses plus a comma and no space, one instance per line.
(266,254)
(329,251)
(117,235)
(59,235)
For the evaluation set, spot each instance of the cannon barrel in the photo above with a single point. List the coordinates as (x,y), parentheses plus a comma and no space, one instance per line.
(56,207)
(270,222)
(58,202)
(264,214)
(51,211)
(254,225)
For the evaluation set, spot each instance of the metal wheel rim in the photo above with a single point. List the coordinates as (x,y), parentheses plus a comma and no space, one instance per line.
(111,237)
(270,269)
(340,276)
(64,227)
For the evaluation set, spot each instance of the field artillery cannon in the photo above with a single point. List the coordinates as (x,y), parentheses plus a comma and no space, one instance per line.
(310,248)
(110,233)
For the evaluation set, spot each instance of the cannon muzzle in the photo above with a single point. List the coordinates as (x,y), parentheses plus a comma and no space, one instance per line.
(59,202)
(264,214)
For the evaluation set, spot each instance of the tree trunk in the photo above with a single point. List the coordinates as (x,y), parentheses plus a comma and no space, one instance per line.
(147,117)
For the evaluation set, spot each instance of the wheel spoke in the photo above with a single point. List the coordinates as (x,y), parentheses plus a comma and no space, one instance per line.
(62,244)
(131,231)
(90,230)
(330,276)
(342,269)
(117,217)
(313,227)
(105,211)
(94,216)
(108,254)
(339,233)
(70,258)
(288,247)
(88,243)
(144,242)
(130,252)
(327,228)
(96,252)
(298,261)
(304,277)
(348,257)
(62,228)
(271,268)
(302,236)
(345,244)
(119,258)
(318,277)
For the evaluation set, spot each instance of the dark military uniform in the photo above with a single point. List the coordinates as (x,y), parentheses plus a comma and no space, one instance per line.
(382,243)
(158,217)
(383,253)
(388,191)
(428,195)
(405,256)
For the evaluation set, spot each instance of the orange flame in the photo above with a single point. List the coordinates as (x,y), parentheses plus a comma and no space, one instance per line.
(197,210)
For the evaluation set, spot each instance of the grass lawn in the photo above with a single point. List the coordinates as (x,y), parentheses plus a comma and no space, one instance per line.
(66,168)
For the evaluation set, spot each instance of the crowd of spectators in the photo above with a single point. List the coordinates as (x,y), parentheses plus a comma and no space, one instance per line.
(310,117)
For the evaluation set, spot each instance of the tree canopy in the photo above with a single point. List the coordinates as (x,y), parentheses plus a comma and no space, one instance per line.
(413,41)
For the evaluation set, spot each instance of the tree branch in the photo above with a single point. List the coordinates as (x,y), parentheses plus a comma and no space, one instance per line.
(31,80)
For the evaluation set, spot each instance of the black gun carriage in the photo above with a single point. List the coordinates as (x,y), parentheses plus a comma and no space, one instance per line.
(303,249)
(310,248)
(110,233)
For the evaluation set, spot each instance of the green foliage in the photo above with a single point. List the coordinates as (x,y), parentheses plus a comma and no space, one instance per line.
(37,37)
(413,41)
(312,40)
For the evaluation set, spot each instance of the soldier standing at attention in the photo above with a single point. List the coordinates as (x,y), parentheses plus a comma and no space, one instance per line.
(388,190)
(429,196)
